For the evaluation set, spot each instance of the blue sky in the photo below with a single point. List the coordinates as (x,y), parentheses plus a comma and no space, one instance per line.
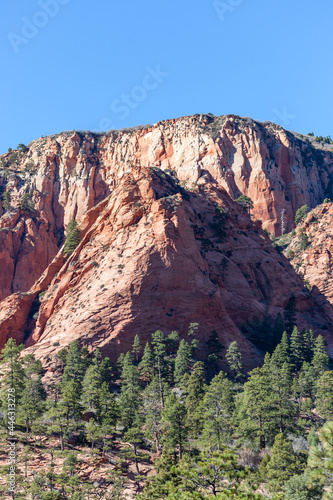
(78,64)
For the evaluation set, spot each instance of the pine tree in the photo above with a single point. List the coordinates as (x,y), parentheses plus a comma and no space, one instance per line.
(175,428)
(297,349)
(182,361)
(302,487)
(73,238)
(282,464)
(76,364)
(253,407)
(320,460)
(320,359)
(304,387)
(93,433)
(281,353)
(218,408)
(308,342)
(152,409)
(32,402)
(107,408)
(324,396)
(282,408)
(172,342)
(136,348)
(134,437)
(71,400)
(146,365)
(26,203)
(158,342)
(196,387)
(130,397)
(215,348)
(6,199)
(234,359)
(12,371)
(91,387)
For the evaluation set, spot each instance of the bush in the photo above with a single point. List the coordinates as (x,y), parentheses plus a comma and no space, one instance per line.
(26,202)
(303,240)
(73,238)
(301,214)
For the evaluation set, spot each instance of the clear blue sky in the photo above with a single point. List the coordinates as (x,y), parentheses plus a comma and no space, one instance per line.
(82,64)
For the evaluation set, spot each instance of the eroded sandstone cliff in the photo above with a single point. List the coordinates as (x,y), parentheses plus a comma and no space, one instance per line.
(153,254)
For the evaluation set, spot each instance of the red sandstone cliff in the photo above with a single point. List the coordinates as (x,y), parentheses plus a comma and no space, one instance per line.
(315,262)
(153,255)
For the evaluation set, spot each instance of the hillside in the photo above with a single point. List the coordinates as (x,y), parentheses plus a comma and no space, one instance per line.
(163,244)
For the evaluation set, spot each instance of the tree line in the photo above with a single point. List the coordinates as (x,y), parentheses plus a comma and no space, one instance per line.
(265,434)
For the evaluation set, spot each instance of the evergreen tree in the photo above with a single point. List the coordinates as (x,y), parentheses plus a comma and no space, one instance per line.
(234,359)
(215,348)
(218,408)
(283,463)
(195,391)
(73,238)
(26,203)
(253,408)
(308,342)
(320,460)
(6,199)
(134,437)
(146,365)
(297,349)
(152,408)
(324,393)
(320,359)
(32,402)
(93,432)
(130,396)
(281,354)
(91,387)
(301,214)
(174,425)
(71,401)
(172,342)
(182,361)
(136,348)
(76,364)
(304,387)
(302,487)
(282,408)
(158,342)
(107,409)
(12,371)
(245,202)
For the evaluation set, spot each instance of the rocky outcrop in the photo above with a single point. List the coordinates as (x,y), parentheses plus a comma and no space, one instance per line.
(163,243)
(315,262)
(154,256)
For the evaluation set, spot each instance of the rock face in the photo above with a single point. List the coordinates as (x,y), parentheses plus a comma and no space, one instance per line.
(315,262)
(153,254)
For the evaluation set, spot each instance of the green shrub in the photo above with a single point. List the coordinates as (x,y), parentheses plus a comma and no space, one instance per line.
(73,238)
(301,214)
